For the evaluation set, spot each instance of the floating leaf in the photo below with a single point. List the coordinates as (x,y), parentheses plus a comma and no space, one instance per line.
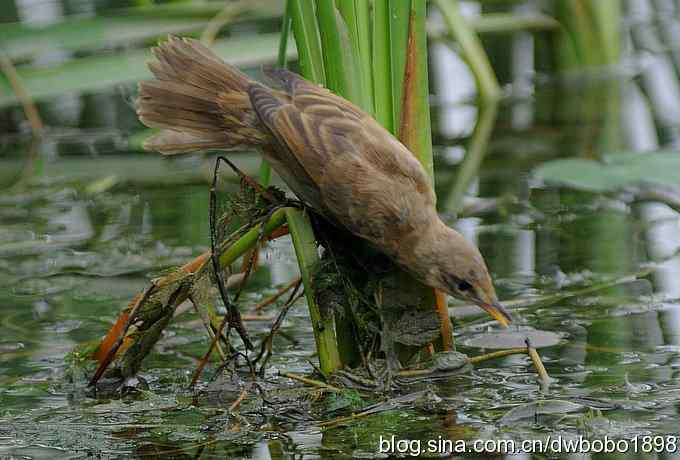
(538,408)
(615,172)
(513,338)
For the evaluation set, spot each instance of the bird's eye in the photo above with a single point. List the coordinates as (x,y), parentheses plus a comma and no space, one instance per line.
(464,286)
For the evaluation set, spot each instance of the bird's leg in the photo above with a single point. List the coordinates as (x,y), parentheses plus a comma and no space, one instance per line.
(244,177)
(232,311)
(443,313)
(385,377)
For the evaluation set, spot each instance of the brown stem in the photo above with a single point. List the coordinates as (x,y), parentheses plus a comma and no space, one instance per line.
(238,400)
(538,364)
(497,354)
(308,381)
(22,94)
(104,364)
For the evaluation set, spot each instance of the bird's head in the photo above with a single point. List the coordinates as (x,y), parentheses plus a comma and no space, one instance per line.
(457,268)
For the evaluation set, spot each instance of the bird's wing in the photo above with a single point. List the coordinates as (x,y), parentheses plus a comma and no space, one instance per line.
(313,123)
(367,179)
(266,103)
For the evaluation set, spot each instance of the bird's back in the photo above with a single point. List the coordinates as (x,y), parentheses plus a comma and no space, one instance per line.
(366,179)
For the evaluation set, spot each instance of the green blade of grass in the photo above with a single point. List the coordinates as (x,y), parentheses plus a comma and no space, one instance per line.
(381,65)
(472,49)
(476,150)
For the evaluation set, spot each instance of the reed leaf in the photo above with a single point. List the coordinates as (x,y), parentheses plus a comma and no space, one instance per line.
(414,125)
(472,49)
(356,15)
(333,56)
(399,12)
(308,40)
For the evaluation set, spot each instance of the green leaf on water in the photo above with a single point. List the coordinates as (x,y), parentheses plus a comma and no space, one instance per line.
(614,172)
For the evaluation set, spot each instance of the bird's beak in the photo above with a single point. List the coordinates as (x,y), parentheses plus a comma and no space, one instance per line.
(497,312)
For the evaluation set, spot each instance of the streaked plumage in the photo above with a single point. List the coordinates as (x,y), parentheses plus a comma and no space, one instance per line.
(332,154)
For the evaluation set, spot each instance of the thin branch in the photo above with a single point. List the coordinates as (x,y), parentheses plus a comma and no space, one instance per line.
(206,356)
(538,364)
(497,354)
(224,17)
(22,94)
(267,342)
(308,381)
(233,314)
(238,400)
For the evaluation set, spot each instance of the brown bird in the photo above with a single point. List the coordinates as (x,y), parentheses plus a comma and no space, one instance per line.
(334,156)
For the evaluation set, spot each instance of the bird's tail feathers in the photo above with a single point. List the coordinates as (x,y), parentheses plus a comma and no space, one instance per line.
(197,100)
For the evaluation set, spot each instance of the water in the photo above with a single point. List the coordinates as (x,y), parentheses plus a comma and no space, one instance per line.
(86,220)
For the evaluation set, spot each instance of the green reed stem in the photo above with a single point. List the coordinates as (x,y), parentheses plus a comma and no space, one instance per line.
(307,39)
(381,65)
(323,323)
(249,239)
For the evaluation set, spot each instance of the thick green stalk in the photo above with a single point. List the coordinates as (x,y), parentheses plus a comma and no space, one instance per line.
(607,17)
(307,40)
(333,56)
(399,14)
(248,241)
(323,323)
(339,67)
(356,14)
(342,64)
(285,32)
(472,49)
(312,65)
(344,72)
(414,126)
(382,68)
